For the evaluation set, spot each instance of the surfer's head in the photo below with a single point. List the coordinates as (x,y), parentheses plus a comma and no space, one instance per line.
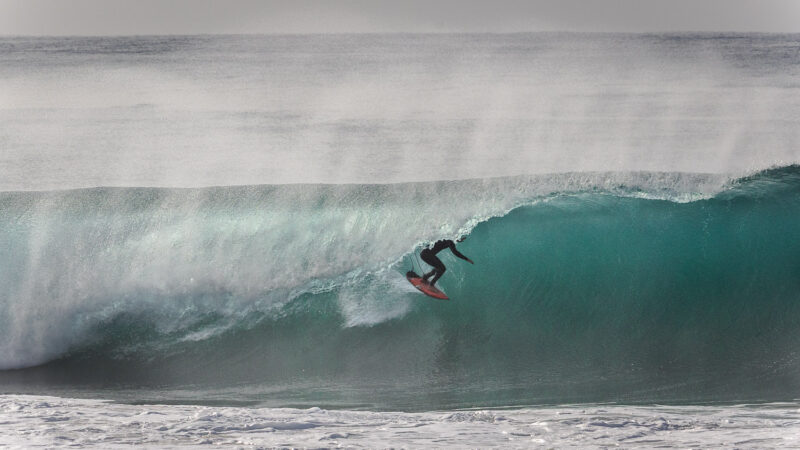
(461,239)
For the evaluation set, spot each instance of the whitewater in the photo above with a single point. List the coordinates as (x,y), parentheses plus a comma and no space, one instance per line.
(204,240)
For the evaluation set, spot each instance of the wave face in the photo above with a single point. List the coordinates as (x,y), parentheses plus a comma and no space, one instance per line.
(645,287)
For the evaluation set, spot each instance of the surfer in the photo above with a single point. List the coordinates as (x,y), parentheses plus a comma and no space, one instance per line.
(429,256)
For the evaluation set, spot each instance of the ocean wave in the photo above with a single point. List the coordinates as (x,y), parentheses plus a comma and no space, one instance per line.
(640,279)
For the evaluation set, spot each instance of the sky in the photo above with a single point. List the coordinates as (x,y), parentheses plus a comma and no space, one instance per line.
(137,17)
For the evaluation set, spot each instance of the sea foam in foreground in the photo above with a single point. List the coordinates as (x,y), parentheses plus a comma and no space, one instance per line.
(28,421)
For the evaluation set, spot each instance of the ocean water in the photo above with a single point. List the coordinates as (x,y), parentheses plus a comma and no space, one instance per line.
(205,239)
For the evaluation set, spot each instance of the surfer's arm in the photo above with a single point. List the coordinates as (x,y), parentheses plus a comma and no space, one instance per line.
(457,253)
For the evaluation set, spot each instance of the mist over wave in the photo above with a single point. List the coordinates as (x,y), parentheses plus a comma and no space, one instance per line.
(586,286)
(192,111)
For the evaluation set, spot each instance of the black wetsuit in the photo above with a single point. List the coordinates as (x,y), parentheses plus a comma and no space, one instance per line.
(429,256)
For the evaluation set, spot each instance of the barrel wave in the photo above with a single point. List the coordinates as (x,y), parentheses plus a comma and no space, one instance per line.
(635,287)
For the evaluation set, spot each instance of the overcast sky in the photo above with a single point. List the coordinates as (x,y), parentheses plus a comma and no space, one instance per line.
(123,17)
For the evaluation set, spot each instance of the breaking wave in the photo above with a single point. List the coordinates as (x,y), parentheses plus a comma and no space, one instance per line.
(587,286)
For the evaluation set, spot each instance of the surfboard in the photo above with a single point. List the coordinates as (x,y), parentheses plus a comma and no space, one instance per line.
(424,287)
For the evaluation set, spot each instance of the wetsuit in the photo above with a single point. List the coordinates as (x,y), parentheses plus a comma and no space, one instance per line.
(429,256)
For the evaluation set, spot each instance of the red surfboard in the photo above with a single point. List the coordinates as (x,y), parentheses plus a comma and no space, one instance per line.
(424,287)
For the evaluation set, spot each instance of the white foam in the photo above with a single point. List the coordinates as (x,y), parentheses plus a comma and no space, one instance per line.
(30,421)
(376,300)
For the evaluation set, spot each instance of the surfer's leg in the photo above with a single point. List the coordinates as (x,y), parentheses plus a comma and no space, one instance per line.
(439,273)
(438,267)
(432,260)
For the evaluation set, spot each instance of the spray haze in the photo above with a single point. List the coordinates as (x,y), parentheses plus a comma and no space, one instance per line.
(202,111)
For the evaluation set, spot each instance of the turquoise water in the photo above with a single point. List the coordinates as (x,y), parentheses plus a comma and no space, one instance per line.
(632,287)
